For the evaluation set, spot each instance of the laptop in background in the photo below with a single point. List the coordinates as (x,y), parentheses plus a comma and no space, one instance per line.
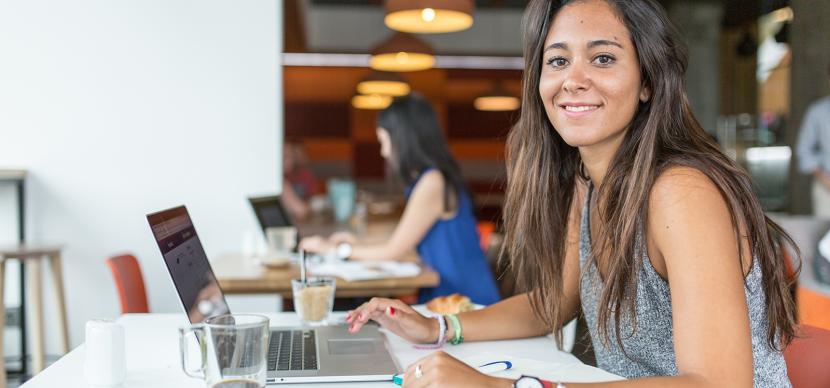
(295,354)
(270,212)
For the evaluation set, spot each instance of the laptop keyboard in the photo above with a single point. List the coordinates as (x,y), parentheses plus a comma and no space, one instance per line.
(292,350)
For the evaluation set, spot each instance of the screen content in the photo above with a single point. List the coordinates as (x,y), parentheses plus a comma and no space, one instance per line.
(188,264)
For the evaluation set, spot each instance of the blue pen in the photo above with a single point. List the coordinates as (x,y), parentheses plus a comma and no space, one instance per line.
(492,367)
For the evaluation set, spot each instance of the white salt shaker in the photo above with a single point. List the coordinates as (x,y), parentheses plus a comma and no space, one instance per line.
(105,364)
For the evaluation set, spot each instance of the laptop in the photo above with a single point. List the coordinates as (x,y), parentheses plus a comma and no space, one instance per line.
(270,212)
(295,354)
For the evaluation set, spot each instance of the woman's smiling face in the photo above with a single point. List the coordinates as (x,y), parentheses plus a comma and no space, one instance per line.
(590,80)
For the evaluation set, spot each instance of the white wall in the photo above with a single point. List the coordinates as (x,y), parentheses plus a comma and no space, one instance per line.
(119,108)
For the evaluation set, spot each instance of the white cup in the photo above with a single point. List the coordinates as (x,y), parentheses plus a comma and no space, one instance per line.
(281,240)
(105,364)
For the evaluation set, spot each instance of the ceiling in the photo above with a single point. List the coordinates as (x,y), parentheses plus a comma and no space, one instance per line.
(336,25)
(479,3)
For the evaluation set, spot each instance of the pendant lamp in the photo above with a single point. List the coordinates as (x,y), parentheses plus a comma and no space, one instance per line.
(383,82)
(402,52)
(371,101)
(497,100)
(429,16)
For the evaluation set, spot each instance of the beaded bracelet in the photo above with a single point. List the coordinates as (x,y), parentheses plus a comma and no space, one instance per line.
(456,325)
(442,330)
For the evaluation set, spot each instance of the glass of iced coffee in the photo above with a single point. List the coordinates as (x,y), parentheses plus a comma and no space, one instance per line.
(313,299)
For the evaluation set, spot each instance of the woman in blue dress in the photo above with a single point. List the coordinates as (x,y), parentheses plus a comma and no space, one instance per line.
(438,220)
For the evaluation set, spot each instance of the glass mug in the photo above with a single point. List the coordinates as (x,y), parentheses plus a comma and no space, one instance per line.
(314,299)
(233,350)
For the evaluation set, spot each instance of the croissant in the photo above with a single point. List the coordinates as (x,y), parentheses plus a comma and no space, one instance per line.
(450,304)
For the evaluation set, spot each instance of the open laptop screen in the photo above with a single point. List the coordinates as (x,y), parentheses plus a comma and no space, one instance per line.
(188,264)
(270,212)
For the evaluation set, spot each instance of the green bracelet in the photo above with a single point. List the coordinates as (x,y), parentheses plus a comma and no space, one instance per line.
(456,326)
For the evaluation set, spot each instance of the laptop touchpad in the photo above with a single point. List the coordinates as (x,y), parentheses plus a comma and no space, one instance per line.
(351,347)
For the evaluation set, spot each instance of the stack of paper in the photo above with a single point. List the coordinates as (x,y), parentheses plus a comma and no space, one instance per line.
(355,271)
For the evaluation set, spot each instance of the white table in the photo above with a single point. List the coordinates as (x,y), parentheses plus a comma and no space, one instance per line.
(153,355)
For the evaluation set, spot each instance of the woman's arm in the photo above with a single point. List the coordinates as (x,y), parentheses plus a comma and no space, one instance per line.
(424,207)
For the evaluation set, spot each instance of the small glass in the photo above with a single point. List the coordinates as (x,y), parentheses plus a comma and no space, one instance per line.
(281,240)
(342,195)
(314,299)
(233,350)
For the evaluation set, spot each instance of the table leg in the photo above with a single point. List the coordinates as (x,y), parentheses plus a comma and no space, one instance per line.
(35,289)
(21,234)
(2,321)
(57,283)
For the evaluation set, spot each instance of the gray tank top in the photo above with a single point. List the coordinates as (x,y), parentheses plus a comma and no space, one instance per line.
(650,347)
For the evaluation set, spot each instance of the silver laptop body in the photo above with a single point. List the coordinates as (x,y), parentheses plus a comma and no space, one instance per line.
(297,354)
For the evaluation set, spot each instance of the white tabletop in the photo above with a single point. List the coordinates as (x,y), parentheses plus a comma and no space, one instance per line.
(153,355)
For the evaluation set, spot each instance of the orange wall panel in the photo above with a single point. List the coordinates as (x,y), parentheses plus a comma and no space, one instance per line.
(477,149)
(328,149)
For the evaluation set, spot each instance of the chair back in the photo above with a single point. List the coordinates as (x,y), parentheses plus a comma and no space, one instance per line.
(130,284)
(485,230)
(807,358)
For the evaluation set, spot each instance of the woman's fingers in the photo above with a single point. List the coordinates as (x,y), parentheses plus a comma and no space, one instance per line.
(395,316)
(369,310)
(418,374)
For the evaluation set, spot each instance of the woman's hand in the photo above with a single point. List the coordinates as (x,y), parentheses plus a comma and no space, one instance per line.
(342,237)
(316,244)
(439,369)
(397,317)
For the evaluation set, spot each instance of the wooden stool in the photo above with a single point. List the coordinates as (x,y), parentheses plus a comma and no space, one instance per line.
(31,256)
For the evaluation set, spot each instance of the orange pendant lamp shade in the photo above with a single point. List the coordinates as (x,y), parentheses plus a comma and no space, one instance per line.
(497,100)
(372,101)
(384,83)
(429,16)
(402,52)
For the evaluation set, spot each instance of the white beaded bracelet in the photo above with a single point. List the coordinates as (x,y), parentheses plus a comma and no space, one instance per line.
(442,329)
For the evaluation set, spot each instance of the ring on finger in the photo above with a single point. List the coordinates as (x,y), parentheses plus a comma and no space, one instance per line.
(418,371)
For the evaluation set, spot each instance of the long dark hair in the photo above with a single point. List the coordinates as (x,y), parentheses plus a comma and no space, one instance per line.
(543,172)
(418,144)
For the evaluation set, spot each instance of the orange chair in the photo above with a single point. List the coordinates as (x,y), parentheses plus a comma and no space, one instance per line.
(485,231)
(807,358)
(130,284)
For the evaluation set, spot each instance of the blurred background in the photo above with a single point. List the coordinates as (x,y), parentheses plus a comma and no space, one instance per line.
(753,70)
(112,110)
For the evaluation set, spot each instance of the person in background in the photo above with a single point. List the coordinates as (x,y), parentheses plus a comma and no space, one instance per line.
(814,152)
(619,206)
(299,183)
(438,219)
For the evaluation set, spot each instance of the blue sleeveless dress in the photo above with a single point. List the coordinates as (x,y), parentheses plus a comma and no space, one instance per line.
(451,247)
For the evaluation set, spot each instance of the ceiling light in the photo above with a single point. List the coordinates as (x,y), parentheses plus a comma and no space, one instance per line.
(372,101)
(429,16)
(497,100)
(385,83)
(402,52)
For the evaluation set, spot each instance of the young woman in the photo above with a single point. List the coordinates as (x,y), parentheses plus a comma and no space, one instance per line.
(620,206)
(438,219)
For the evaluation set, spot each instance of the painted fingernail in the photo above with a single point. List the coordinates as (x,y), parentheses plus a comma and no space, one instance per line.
(391,311)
